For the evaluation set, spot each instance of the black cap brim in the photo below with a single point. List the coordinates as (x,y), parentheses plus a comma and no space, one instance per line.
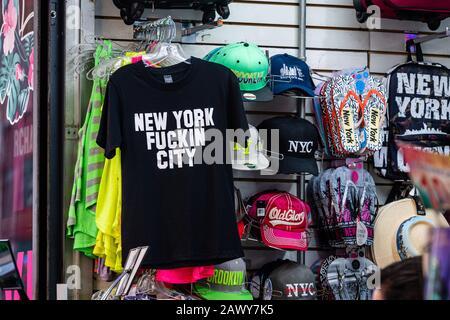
(291,165)
(262,95)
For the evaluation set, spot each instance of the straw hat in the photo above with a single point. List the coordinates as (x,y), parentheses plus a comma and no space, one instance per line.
(401,233)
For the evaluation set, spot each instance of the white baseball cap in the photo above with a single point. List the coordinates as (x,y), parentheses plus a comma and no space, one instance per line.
(252,156)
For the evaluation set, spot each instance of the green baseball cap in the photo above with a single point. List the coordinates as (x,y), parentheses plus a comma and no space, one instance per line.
(212,53)
(219,52)
(251,66)
(227,283)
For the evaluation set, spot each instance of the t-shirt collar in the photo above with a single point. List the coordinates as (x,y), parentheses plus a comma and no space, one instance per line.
(151,74)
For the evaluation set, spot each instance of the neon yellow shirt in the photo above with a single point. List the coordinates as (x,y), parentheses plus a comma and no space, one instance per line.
(109,212)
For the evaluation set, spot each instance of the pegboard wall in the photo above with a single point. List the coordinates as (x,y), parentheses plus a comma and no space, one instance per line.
(334,41)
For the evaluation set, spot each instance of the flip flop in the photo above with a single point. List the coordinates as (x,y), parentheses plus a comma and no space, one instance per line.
(357,205)
(328,116)
(321,123)
(323,278)
(344,191)
(346,113)
(328,208)
(335,277)
(323,217)
(374,114)
(368,205)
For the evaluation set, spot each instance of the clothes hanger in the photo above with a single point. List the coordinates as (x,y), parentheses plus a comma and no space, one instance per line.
(85,55)
(108,66)
(167,54)
(158,35)
(154,34)
(148,286)
(170,294)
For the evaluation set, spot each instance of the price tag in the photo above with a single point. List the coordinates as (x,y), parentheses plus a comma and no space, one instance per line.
(261,209)
(361,234)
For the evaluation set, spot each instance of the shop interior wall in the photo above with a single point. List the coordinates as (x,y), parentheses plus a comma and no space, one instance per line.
(334,41)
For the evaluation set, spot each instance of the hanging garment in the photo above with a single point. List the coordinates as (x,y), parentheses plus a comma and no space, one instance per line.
(109,214)
(206,232)
(81,225)
(184,275)
(109,211)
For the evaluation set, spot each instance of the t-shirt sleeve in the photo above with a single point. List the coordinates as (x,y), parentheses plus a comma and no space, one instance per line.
(236,112)
(110,132)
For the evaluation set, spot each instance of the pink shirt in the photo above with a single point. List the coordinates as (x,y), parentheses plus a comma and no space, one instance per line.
(184,275)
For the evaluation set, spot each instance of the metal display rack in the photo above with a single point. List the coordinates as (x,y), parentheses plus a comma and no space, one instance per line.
(301,105)
(301,182)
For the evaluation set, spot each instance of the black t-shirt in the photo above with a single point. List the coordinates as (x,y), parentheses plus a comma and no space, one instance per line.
(183,210)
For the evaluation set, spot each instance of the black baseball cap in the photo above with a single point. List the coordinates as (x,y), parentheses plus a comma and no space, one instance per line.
(299,142)
(260,277)
(291,281)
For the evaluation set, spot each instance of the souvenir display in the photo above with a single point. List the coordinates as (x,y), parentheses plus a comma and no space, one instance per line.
(233,161)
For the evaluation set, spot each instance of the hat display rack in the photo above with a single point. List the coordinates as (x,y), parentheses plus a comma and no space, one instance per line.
(301,182)
(356,268)
(420,40)
(147,30)
(250,242)
(301,111)
(162,30)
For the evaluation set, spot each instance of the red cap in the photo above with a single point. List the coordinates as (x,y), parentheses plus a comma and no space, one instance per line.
(285,222)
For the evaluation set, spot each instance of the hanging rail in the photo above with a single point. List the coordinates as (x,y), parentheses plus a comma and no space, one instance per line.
(146,30)
(162,30)
(440,35)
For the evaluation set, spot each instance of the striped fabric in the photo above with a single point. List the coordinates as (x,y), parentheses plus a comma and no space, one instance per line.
(81,224)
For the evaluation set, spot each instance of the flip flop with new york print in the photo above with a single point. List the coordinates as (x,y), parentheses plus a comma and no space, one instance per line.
(346,110)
